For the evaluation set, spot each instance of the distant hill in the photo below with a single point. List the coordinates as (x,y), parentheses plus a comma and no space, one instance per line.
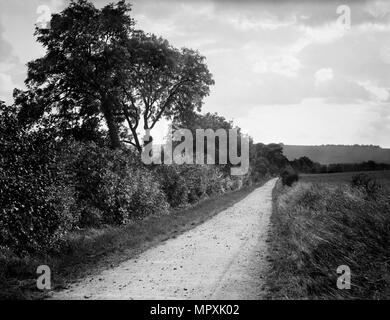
(326,154)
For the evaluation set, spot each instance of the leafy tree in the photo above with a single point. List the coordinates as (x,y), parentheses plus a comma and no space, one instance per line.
(303,164)
(195,121)
(75,82)
(161,81)
(267,159)
(97,66)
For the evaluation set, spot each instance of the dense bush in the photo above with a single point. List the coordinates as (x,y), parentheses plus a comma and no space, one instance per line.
(112,186)
(81,184)
(37,204)
(202,180)
(289,176)
(366,183)
(184,184)
(49,187)
(173,184)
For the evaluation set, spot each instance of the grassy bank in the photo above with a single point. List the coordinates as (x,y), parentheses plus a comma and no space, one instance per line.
(320,225)
(92,250)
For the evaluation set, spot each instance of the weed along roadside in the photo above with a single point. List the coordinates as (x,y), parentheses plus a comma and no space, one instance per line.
(329,238)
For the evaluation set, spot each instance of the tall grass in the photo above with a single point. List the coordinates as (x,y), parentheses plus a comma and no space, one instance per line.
(318,227)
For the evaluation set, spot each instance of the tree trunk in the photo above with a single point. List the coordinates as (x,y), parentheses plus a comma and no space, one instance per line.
(112,126)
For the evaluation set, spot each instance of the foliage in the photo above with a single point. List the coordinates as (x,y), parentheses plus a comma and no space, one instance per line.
(173,184)
(266,160)
(78,76)
(57,172)
(306,165)
(81,184)
(202,180)
(37,204)
(303,165)
(161,81)
(49,187)
(289,176)
(112,186)
(98,66)
(184,184)
(366,183)
(363,166)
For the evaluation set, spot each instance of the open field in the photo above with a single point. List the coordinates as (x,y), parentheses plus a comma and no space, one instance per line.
(321,223)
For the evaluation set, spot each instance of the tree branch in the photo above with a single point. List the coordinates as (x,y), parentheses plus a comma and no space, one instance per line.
(173,91)
(132,128)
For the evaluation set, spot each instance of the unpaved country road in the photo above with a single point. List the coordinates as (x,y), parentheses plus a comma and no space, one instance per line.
(223,258)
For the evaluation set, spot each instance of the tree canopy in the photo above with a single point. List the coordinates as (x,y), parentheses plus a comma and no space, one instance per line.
(98,67)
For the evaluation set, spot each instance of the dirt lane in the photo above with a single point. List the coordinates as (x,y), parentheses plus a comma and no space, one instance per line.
(224,258)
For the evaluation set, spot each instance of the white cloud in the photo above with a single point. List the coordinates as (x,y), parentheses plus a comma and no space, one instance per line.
(325,33)
(370,27)
(266,22)
(385,53)
(56,5)
(6,87)
(164,27)
(285,65)
(323,75)
(379,94)
(378,9)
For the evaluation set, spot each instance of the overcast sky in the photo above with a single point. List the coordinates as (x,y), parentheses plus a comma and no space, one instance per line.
(285,71)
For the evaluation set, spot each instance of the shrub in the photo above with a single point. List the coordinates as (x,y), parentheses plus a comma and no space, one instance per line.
(37,204)
(237,183)
(226,184)
(112,186)
(134,196)
(215,180)
(289,176)
(199,179)
(203,181)
(173,184)
(89,215)
(366,183)
(183,184)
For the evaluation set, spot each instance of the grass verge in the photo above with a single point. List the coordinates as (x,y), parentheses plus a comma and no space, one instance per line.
(317,227)
(90,251)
